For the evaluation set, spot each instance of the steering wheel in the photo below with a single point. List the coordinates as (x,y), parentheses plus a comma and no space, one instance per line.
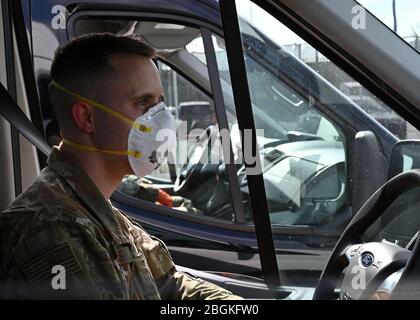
(192,168)
(372,262)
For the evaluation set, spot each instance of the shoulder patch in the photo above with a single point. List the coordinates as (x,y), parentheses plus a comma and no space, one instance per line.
(38,271)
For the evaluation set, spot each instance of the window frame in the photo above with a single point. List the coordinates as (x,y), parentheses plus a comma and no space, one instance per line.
(256,185)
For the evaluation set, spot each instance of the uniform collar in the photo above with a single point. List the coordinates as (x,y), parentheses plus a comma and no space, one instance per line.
(87,191)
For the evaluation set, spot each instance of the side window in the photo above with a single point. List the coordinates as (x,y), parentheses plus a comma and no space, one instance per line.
(295,47)
(243,212)
(304,146)
(303,149)
(286,120)
(326,139)
(310,111)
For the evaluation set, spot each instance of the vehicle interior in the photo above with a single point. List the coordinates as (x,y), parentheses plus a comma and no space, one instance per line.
(309,148)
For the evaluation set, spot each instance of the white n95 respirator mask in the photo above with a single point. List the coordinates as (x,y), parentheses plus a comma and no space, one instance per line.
(155,144)
(152,135)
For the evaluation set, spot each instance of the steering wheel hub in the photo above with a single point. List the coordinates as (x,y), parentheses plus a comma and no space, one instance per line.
(369,265)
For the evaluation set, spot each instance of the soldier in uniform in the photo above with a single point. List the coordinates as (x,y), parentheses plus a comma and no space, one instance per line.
(106,93)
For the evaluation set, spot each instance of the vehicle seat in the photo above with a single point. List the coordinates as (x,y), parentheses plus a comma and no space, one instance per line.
(369,168)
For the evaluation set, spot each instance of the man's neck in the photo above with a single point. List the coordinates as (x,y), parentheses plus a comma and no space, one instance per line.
(94,166)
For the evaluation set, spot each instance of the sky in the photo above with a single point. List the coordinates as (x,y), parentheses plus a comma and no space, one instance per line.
(408,17)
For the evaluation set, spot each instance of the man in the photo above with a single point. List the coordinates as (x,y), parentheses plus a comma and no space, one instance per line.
(62,238)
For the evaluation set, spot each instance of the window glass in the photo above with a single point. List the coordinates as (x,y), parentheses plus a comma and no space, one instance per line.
(325,141)
(196,48)
(245,216)
(191,107)
(302,148)
(259,26)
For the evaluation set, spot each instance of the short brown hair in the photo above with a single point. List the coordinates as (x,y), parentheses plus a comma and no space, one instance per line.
(88,56)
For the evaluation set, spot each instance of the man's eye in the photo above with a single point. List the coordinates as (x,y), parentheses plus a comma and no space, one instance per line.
(141,103)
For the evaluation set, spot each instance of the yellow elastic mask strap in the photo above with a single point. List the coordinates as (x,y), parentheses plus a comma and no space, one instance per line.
(102,107)
(131,153)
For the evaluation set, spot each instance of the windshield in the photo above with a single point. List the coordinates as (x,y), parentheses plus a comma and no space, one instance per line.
(269,88)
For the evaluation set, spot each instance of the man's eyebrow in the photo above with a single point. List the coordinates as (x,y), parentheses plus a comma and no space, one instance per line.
(147,96)
(142,96)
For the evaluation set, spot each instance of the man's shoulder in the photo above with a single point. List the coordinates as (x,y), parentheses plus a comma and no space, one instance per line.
(46,234)
(47,190)
(47,200)
(45,210)
(45,224)
(36,242)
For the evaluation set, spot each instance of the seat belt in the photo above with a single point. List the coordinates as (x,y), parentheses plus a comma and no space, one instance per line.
(17,118)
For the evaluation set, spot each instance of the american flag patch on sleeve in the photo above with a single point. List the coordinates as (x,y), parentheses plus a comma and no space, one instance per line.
(38,271)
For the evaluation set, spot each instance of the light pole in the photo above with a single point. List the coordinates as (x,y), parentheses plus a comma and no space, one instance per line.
(394,12)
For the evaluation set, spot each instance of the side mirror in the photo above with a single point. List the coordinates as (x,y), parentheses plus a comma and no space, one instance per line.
(405,155)
(326,185)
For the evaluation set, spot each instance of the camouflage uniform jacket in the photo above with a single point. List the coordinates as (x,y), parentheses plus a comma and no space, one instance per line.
(63,220)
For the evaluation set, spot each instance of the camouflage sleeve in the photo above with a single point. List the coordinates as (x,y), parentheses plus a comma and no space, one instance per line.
(175,285)
(181,285)
(60,260)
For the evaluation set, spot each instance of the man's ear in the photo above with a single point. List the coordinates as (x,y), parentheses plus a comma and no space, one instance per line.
(83,116)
